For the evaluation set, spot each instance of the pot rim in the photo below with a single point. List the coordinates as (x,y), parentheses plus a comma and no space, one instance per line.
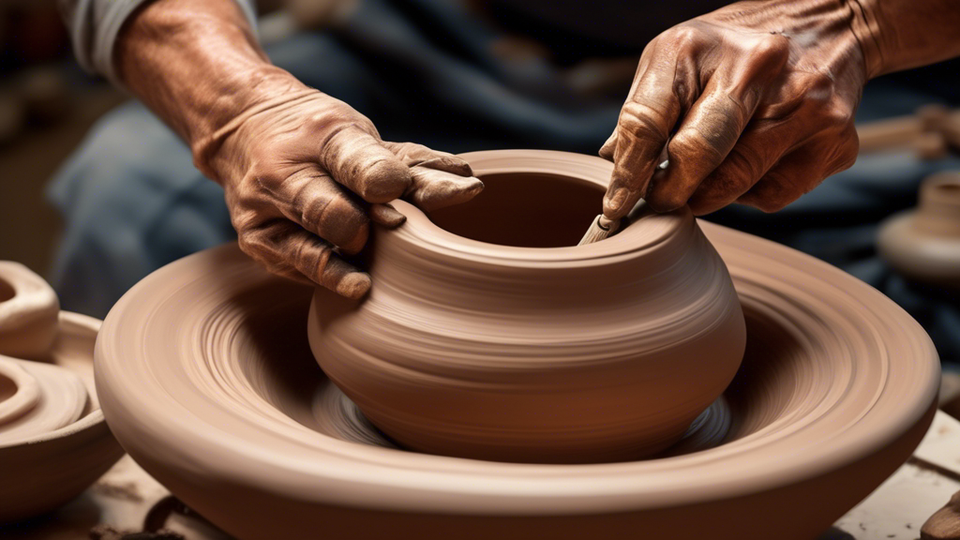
(628,243)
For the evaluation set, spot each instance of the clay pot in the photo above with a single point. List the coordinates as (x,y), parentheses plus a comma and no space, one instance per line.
(490,334)
(207,380)
(54,442)
(924,244)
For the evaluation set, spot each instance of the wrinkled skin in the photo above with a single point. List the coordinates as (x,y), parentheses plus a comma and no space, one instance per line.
(754,103)
(305,173)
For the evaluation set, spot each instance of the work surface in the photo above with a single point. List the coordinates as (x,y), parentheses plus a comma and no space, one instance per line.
(124,497)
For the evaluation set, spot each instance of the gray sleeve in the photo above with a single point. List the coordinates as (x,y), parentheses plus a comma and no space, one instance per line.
(94,25)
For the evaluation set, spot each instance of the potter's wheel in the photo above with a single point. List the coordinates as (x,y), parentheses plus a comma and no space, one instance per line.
(206,378)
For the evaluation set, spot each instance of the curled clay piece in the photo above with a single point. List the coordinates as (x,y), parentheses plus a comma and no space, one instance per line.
(207,379)
(491,335)
(28,312)
(44,399)
(944,524)
(924,244)
(54,442)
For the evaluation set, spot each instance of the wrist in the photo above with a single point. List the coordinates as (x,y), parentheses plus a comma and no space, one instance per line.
(866,28)
(904,34)
(865,25)
(196,64)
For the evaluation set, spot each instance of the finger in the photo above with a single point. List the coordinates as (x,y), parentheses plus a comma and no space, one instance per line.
(713,125)
(386,215)
(646,120)
(413,155)
(290,251)
(432,189)
(310,198)
(608,148)
(802,170)
(439,179)
(365,166)
(760,148)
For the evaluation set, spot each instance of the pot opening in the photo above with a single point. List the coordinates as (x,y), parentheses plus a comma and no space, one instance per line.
(7,291)
(525,210)
(8,388)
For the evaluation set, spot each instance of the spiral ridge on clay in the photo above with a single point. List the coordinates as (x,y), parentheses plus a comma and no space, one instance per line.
(837,387)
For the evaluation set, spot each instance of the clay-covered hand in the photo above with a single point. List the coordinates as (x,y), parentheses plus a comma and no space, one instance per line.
(752,103)
(304,174)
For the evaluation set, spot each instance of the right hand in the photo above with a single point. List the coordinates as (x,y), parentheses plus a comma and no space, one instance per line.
(304,174)
(752,103)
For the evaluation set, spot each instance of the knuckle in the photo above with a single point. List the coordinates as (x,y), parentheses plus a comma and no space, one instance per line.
(243,219)
(704,144)
(771,48)
(838,115)
(746,165)
(254,243)
(817,88)
(642,121)
(686,36)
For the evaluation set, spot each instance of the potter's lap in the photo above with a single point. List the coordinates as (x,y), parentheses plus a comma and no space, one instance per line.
(131,201)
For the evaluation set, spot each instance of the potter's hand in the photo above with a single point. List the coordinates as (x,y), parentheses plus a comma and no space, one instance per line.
(754,103)
(305,173)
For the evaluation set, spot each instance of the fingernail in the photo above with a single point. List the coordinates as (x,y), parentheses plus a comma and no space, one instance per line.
(386,215)
(475,187)
(354,285)
(612,203)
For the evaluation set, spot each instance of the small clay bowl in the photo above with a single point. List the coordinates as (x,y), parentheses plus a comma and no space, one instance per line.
(42,472)
(924,244)
(489,334)
(28,312)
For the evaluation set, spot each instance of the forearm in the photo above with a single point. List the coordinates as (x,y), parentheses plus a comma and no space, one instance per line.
(902,34)
(197,65)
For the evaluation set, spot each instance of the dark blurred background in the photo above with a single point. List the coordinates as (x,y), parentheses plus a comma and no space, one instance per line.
(47,103)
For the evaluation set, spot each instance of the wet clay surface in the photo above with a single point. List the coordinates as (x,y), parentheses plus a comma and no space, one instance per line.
(53,440)
(507,352)
(219,398)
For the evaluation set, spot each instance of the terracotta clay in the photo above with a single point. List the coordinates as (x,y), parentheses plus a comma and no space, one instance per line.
(207,380)
(478,342)
(45,398)
(28,312)
(924,244)
(54,442)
